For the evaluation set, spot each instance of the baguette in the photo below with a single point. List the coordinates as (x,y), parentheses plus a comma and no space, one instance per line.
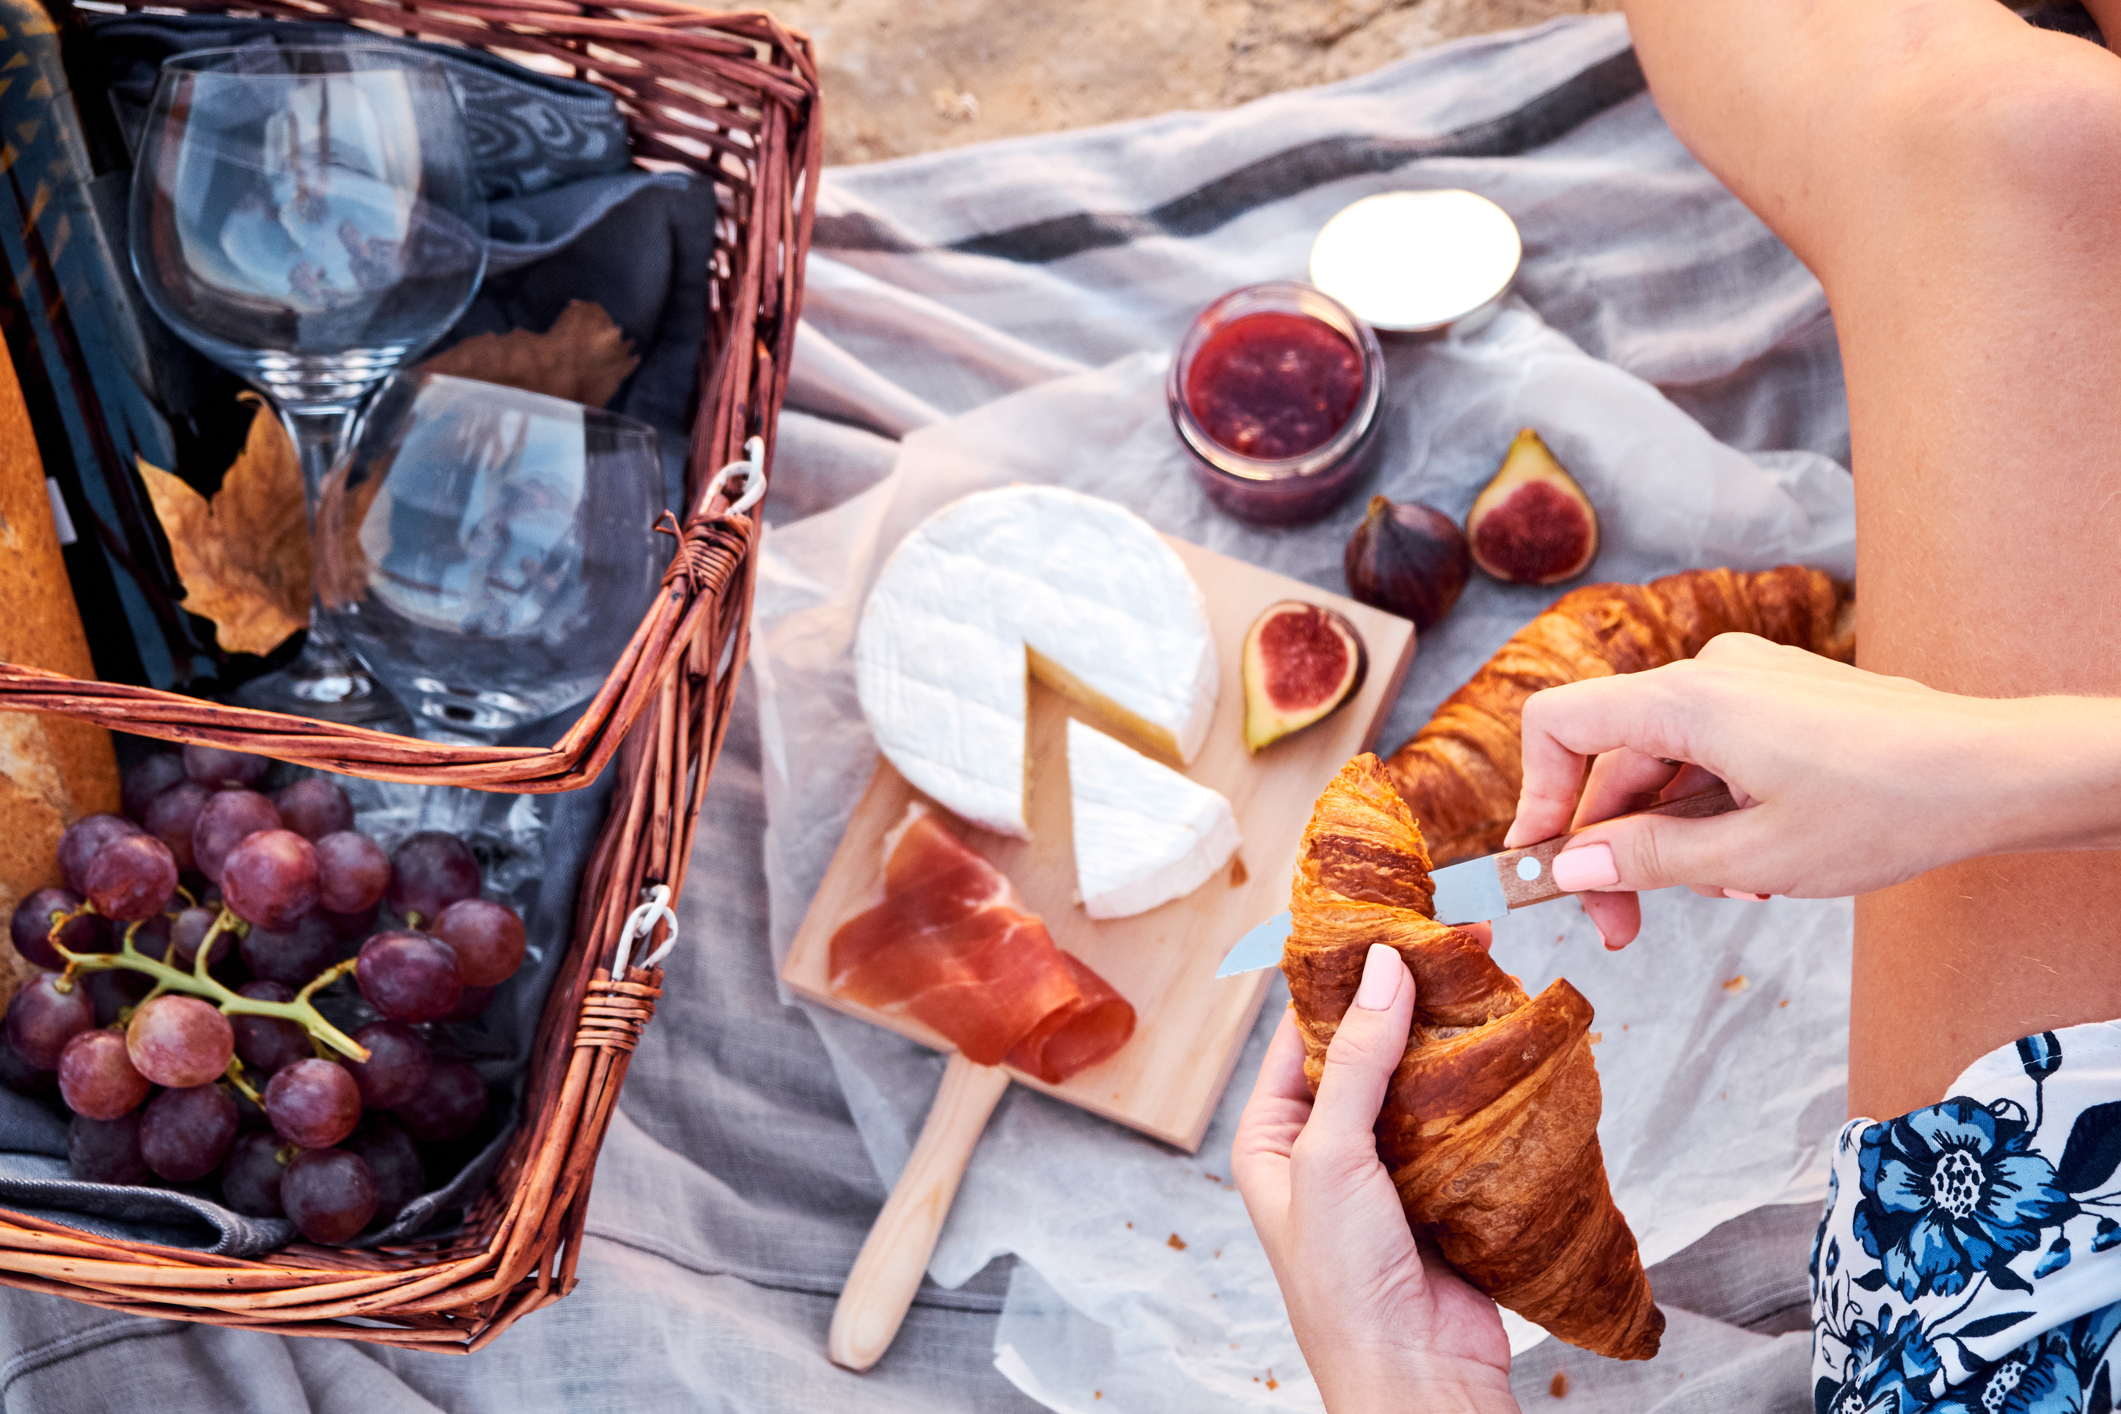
(53,770)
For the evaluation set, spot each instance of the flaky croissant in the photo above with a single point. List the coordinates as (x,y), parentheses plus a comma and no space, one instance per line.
(1490,1123)
(1462,771)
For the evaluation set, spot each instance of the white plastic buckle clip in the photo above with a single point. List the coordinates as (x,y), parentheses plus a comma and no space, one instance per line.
(641,924)
(752,468)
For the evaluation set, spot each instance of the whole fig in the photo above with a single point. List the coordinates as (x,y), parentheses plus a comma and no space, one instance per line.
(1407,559)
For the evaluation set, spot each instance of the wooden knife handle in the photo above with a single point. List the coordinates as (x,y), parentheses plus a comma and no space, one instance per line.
(1527,874)
(887,1273)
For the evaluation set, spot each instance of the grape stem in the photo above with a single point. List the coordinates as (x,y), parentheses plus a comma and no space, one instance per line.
(200,983)
(235,1077)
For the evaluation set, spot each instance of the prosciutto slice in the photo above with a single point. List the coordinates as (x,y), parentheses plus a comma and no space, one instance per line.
(952,946)
(1078,1035)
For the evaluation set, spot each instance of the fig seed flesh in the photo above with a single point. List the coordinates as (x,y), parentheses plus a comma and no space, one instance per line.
(1301,662)
(1532,524)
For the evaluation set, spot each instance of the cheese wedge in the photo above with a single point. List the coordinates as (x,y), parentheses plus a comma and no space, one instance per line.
(1028,579)
(1144,834)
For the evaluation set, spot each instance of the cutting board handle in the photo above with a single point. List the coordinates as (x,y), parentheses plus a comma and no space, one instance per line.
(887,1273)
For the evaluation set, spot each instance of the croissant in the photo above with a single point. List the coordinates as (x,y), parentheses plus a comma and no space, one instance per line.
(1490,1123)
(1462,771)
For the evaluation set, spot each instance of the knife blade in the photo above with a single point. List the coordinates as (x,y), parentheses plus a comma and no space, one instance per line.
(1477,890)
(1261,947)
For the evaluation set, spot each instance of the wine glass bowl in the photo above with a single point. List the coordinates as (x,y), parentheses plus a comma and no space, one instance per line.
(488,551)
(307,217)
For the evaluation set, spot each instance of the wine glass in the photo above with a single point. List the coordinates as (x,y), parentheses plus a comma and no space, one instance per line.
(308,217)
(489,552)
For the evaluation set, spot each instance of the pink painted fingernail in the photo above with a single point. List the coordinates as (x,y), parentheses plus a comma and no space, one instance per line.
(1587,866)
(1742,894)
(1381,974)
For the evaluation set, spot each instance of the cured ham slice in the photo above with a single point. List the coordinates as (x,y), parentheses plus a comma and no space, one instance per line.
(1078,1035)
(952,946)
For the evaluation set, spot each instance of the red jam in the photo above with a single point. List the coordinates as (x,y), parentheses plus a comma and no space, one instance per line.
(1272,386)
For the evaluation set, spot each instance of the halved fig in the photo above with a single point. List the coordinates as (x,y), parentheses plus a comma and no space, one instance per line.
(1532,524)
(1301,662)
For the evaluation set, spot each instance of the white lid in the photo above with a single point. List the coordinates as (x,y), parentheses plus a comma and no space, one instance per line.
(1415,261)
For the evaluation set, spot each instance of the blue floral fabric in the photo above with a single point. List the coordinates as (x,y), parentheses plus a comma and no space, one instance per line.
(1970,1256)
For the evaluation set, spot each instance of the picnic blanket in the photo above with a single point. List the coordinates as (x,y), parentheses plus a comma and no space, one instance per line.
(1000,313)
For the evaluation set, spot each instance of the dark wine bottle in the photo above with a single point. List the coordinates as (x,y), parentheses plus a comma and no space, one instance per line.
(72,321)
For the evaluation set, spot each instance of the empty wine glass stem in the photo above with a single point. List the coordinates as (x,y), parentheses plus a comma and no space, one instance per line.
(320,435)
(327,676)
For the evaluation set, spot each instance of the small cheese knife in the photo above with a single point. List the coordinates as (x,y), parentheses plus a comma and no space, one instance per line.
(1477,890)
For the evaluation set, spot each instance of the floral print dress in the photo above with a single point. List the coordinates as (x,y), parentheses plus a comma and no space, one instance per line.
(1970,1256)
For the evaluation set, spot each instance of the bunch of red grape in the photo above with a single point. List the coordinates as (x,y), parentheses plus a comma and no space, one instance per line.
(188,1071)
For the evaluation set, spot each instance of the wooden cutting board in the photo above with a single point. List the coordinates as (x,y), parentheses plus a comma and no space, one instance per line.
(1190,1024)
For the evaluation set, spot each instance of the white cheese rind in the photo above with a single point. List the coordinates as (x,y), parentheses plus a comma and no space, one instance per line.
(940,658)
(1144,834)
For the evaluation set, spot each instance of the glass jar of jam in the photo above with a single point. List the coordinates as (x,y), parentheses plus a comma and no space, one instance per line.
(1276,392)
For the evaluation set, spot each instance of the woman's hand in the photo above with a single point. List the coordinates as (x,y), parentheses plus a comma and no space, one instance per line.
(1384,1322)
(1850,781)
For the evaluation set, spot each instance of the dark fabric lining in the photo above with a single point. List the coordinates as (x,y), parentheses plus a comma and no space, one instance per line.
(1551,115)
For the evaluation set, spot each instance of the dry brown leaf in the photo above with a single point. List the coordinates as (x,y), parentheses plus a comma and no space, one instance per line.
(244,559)
(583,357)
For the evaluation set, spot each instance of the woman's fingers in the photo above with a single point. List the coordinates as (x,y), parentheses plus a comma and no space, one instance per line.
(1565,727)
(1366,1048)
(1552,777)
(1621,781)
(1281,1074)
(1273,1117)
(1657,852)
(1826,763)
(1616,916)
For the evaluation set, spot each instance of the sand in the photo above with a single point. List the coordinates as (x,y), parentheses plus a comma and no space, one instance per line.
(903,78)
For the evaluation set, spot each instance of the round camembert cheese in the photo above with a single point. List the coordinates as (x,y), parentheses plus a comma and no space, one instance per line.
(1144,834)
(1079,591)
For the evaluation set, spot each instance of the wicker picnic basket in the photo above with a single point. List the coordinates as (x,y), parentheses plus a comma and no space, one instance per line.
(732,96)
